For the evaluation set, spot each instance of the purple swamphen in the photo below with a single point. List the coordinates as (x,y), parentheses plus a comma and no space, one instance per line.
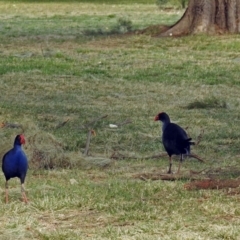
(15,164)
(174,139)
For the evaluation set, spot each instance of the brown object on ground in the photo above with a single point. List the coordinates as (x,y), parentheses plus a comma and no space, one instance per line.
(127,121)
(199,138)
(212,184)
(62,124)
(203,16)
(10,125)
(91,132)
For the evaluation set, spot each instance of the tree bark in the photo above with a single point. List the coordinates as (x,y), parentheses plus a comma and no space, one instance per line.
(208,16)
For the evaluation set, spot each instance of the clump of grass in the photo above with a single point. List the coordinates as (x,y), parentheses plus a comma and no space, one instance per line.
(46,152)
(123,25)
(161,2)
(171,3)
(209,102)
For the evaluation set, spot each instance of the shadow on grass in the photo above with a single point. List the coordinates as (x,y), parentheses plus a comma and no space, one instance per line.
(210,102)
(122,26)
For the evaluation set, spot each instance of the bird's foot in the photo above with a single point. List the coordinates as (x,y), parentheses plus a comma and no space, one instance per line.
(169,172)
(25,200)
(6,197)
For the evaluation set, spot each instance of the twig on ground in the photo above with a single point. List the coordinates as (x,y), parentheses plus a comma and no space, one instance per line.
(62,124)
(91,132)
(143,178)
(10,125)
(199,138)
(127,121)
(193,155)
(117,156)
(166,177)
(89,124)
(199,179)
(197,172)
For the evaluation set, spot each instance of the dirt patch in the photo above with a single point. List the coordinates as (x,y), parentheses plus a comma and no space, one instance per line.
(213,184)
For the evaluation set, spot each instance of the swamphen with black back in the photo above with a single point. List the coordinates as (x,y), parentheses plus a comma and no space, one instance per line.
(174,139)
(15,164)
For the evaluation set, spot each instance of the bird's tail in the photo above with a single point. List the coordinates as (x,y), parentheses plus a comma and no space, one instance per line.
(189,141)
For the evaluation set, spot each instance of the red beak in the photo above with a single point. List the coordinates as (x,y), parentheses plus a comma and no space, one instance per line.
(22,139)
(156,118)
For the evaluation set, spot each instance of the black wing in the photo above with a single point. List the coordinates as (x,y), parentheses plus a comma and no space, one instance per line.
(175,140)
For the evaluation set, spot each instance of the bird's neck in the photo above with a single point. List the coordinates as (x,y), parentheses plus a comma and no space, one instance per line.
(17,146)
(165,124)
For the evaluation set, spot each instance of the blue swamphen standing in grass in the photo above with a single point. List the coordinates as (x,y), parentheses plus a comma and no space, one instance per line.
(15,164)
(174,139)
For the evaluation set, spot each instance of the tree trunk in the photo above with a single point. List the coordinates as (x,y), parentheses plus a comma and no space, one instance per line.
(208,16)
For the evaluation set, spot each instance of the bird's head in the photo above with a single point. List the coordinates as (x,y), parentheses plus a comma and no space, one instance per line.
(20,139)
(162,116)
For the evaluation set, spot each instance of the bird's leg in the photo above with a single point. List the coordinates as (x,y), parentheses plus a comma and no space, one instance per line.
(170,165)
(180,164)
(24,194)
(6,191)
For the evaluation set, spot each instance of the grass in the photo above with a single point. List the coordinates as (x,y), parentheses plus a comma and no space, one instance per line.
(75,64)
(211,102)
(86,1)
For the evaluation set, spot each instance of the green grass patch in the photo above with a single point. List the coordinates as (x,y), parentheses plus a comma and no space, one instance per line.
(211,102)
(64,65)
(88,1)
